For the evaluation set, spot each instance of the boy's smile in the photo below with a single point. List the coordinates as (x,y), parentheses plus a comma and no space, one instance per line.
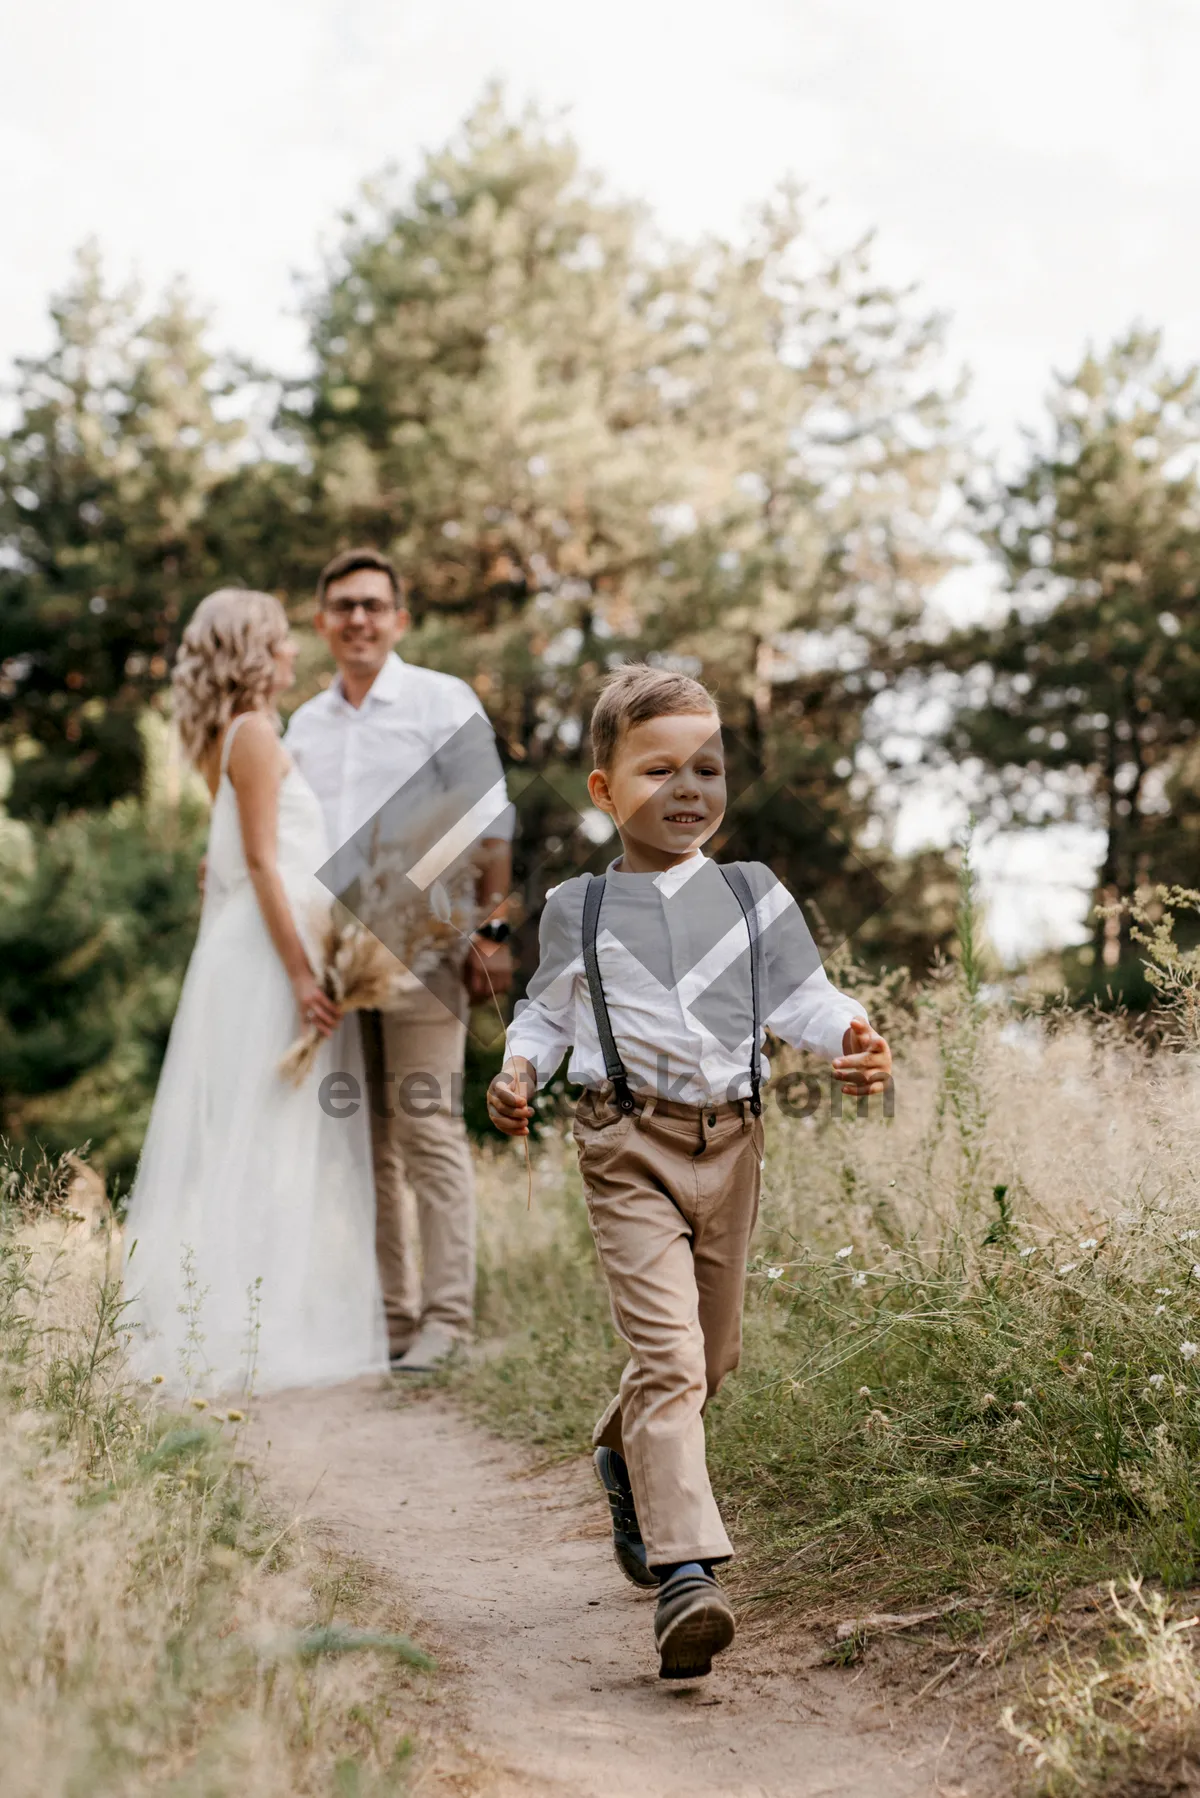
(665,788)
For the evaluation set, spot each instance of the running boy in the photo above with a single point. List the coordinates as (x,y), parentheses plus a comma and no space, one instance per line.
(660,977)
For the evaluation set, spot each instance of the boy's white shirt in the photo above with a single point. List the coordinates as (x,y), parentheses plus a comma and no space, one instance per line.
(666,1047)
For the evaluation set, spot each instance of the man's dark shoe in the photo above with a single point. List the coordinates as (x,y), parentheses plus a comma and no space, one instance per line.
(628,1546)
(693,1622)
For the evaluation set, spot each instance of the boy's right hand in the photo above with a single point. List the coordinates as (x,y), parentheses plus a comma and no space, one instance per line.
(509,1096)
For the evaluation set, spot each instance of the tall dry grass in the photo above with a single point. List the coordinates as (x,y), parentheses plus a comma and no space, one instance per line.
(1126,1719)
(160,1629)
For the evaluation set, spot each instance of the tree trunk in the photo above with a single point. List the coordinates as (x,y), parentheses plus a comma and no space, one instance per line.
(1103,936)
(759,711)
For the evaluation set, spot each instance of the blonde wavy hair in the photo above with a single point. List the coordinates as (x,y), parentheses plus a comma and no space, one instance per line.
(225,664)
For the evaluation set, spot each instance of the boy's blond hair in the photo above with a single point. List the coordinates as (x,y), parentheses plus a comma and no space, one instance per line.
(635,694)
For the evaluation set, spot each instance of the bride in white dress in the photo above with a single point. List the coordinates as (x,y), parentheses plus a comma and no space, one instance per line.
(251,1228)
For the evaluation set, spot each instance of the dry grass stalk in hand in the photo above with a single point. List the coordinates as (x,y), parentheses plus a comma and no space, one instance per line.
(357,973)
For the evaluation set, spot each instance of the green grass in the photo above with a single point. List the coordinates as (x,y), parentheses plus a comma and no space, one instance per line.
(934,1435)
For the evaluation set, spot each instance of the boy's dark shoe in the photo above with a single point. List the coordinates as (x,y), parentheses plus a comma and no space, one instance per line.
(628,1546)
(693,1622)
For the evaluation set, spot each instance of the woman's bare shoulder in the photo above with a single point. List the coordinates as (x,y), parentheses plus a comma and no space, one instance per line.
(255,747)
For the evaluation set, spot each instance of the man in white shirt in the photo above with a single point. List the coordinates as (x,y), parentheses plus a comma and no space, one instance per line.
(379,723)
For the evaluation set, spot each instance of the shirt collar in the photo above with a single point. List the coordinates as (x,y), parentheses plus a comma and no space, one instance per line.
(385,689)
(671,879)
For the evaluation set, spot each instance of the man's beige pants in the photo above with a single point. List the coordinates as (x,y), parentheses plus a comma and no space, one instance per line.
(414,1063)
(672,1196)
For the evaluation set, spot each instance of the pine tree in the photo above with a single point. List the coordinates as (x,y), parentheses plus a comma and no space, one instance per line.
(1082,703)
(107,476)
(96,924)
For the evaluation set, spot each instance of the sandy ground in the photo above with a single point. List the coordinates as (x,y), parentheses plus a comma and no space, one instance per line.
(548,1678)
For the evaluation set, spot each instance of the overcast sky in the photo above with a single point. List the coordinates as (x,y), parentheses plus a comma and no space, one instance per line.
(1035,166)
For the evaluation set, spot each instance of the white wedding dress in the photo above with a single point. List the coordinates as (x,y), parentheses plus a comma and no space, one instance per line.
(250,1239)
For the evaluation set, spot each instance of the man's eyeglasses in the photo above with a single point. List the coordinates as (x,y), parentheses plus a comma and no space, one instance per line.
(346,608)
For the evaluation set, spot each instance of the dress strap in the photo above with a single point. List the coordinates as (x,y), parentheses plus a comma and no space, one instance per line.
(230,733)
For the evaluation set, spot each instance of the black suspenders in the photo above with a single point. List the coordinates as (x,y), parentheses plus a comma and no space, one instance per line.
(739,886)
(614,1067)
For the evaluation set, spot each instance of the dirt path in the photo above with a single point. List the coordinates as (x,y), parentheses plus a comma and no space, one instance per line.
(548,1670)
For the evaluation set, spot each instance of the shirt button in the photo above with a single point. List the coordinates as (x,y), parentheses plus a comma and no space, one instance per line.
(712,1120)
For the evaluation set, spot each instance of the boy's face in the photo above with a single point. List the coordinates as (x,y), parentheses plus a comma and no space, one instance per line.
(666,786)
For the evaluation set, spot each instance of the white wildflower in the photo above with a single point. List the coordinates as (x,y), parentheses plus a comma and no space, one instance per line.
(1087,1357)
(1162,1292)
(989,1398)
(1089,1242)
(1158,1379)
(864,1392)
(1020,1405)
(1159,1309)
(845,1254)
(774,1273)
(1189,1235)
(1023,1254)
(1189,1350)
(1196,1270)
(858,1279)
(1068,1267)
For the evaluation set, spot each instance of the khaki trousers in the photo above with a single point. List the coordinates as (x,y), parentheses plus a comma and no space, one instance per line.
(414,1063)
(672,1196)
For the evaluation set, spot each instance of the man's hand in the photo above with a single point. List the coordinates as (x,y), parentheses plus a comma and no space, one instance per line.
(865,1064)
(509,1096)
(488,970)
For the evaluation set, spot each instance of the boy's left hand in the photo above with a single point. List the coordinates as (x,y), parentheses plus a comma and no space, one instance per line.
(865,1064)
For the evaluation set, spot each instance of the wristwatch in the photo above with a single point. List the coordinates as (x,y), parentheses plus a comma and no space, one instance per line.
(495,931)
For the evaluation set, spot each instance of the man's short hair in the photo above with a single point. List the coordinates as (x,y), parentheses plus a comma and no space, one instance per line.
(349,561)
(635,694)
